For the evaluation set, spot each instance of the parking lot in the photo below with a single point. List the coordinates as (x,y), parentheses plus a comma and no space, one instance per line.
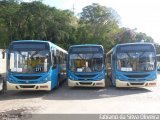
(82,100)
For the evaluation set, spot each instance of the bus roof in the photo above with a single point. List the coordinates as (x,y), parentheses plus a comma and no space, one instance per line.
(80,45)
(83,45)
(42,41)
(143,43)
(30,41)
(134,43)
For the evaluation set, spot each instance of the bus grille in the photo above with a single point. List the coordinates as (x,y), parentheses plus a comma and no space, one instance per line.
(27,86)
(85,83)
(27,82)
(136,79)
(136,76)
(137,83)
(27,77)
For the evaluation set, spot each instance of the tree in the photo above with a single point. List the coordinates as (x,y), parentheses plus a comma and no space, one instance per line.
(35,20)
(157,46)
(142,36)
(97,25)
(7,10)
(125,35)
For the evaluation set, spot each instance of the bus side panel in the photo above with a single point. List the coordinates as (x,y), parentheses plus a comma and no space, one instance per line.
(113,75)
(57,75)
(67,67)
(54,77)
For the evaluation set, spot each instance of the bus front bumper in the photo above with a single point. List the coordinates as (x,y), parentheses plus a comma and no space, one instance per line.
(73,83)
(120,83)
(43,86)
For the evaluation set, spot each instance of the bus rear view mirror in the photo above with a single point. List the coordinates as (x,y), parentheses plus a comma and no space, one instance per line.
(104,55)
(3,54)
(66,57)
(54,67)
(114,57)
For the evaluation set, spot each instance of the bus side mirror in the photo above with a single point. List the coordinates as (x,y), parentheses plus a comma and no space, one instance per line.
(104,55)
(66,57)
(54,66)
(54,63)
(3,54)
(114,57)
(53,60)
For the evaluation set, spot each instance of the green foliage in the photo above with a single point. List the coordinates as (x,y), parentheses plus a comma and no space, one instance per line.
(7,10)
(126,35)
(97,24)
(157,46)
(142,36)
(36,21)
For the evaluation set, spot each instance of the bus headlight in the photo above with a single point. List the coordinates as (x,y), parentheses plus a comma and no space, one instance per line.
(120,77)
(70,77)
(101,76)
(47,78)
(11,80)
(153,77)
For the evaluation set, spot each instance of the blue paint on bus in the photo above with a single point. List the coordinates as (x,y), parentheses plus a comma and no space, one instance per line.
(158,62)
(86,66)
(132,65)
(35,65)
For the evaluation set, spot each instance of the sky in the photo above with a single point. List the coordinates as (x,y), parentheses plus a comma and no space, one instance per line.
(142,15)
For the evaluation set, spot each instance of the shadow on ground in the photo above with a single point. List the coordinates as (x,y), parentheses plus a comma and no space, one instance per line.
(9,95)
(65,93)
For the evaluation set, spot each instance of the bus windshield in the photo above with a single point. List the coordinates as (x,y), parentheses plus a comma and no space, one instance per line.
(29,61)
(136,61)
(89,62)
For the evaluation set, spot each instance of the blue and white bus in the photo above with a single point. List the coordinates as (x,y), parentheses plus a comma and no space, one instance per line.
(158,62)
(132,65)
(35,65)
(86,66)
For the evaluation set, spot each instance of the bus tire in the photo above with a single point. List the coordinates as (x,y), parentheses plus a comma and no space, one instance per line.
(4,87)
(108,82)
(58,83)
(112,84)
(70,87)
